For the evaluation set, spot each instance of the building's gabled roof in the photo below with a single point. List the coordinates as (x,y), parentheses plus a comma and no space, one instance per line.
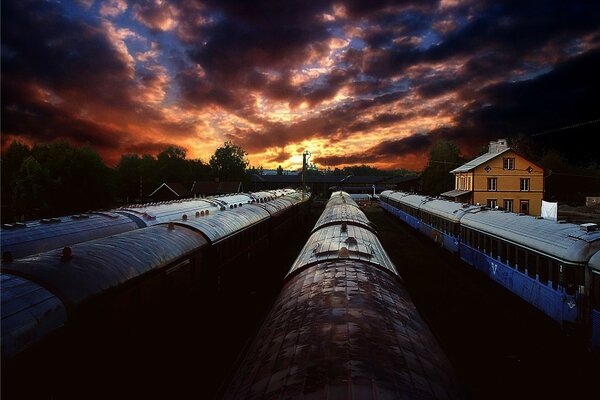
(478,161)
(177,188)
(204,187)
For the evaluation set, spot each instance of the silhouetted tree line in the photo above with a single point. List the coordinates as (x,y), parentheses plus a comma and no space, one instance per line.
(58,178)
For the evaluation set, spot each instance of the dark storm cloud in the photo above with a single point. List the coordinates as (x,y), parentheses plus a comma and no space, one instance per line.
(61,53)
(564,96)
(490,68)
(48,122)
(385,151)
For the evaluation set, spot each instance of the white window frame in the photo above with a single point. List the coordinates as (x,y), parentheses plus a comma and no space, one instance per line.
(525,184)
(492,184)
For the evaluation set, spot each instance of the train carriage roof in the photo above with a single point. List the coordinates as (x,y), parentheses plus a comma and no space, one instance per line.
(342,328)
(561,240)
(277,206)
(221,224)
(154,214)
(449,210)
(102,264)
(343,242)
(343,213)
(29,313)
(340,198)
(24,239)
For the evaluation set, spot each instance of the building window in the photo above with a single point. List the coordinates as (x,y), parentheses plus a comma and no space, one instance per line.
(508,205)
(492,183)
(509,163)
(524,207)
(524,184)
(492,203)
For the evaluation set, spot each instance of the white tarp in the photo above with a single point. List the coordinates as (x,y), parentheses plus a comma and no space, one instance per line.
(549,210)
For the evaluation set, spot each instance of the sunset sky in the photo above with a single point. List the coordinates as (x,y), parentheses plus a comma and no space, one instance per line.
(354,82)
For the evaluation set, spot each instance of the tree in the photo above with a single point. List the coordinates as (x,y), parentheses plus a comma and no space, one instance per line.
(279,170)
(444,156)
(12,159)
(229,162)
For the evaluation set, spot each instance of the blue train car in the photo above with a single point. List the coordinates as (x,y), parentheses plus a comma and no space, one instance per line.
(546,263)
(542,261)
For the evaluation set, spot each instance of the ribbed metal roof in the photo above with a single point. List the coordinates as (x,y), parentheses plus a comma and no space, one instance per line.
(449,210)
(36,237)
(172,211)
(342,213)
(340,198)
(561,240)
(344,330)
(338,242)
(102,264)
(276,206)
(29,313)
(478,161)
(221,224)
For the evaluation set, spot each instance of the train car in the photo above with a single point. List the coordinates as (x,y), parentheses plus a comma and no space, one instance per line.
(343,325)
(544,262)
(115,277)
(22,239)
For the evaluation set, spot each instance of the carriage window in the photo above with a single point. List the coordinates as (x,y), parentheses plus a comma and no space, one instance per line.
(494,248)
(502,251)
(511,255)
(569,274)
(521,260)
(531,264)
(554,273)
(543,269)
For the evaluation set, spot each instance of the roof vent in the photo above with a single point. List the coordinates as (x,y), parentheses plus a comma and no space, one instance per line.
(343,252)
(184,217)
(206,212)
(198,213)
(589,227)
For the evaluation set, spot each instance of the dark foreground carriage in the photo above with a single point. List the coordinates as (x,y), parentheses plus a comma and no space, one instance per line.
(344,326)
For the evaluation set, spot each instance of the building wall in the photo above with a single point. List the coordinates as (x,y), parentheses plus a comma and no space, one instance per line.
(509,182)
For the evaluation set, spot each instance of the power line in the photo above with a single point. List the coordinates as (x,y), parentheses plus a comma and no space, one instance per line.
(594,121)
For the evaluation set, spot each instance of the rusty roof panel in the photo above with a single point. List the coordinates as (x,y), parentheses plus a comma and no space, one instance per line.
(344,329)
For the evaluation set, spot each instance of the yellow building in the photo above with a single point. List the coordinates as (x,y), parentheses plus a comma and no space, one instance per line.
(500,178)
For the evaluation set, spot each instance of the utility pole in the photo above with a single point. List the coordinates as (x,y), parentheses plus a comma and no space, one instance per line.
(305,156)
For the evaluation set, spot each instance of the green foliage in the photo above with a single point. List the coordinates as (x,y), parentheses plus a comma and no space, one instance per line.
(56,178)
(229,162)
(444,156)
